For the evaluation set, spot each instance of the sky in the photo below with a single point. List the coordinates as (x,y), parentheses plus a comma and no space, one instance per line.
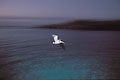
(82,9)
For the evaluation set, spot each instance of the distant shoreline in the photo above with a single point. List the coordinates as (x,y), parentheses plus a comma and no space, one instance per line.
(112,25)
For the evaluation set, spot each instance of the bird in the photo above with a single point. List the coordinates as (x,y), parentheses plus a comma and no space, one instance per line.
(58,41)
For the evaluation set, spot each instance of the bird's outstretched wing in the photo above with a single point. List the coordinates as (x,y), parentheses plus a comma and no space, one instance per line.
(55,37)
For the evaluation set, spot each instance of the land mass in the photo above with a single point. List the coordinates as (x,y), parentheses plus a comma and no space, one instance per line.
(113,25)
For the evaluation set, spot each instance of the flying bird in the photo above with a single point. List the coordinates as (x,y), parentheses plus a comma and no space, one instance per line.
(58,41)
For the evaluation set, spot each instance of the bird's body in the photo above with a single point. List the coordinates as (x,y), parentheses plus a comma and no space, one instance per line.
(58,41)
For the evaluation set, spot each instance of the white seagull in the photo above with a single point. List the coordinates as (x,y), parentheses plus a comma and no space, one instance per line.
(58,41)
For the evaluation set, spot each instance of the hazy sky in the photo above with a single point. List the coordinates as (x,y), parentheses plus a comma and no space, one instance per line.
(83,9)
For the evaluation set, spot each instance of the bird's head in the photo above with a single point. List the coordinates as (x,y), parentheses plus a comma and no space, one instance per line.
(62,41)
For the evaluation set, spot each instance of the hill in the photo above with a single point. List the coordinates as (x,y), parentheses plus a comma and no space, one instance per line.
(86,25)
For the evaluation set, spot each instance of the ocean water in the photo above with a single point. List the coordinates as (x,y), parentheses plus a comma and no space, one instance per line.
(28,54)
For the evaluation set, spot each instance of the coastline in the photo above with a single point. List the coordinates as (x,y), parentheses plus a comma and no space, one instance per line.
(113,25)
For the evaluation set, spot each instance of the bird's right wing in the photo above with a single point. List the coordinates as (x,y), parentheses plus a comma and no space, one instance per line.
(55,37)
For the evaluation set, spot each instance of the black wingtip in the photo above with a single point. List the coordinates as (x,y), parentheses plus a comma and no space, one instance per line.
(62,46)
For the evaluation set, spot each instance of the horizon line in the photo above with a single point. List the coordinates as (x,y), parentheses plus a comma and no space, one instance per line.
(34,17)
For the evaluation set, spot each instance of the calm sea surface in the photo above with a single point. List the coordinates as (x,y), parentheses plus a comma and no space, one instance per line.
(28,54)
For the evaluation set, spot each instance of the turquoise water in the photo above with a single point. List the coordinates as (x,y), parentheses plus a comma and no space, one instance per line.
(28,54)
